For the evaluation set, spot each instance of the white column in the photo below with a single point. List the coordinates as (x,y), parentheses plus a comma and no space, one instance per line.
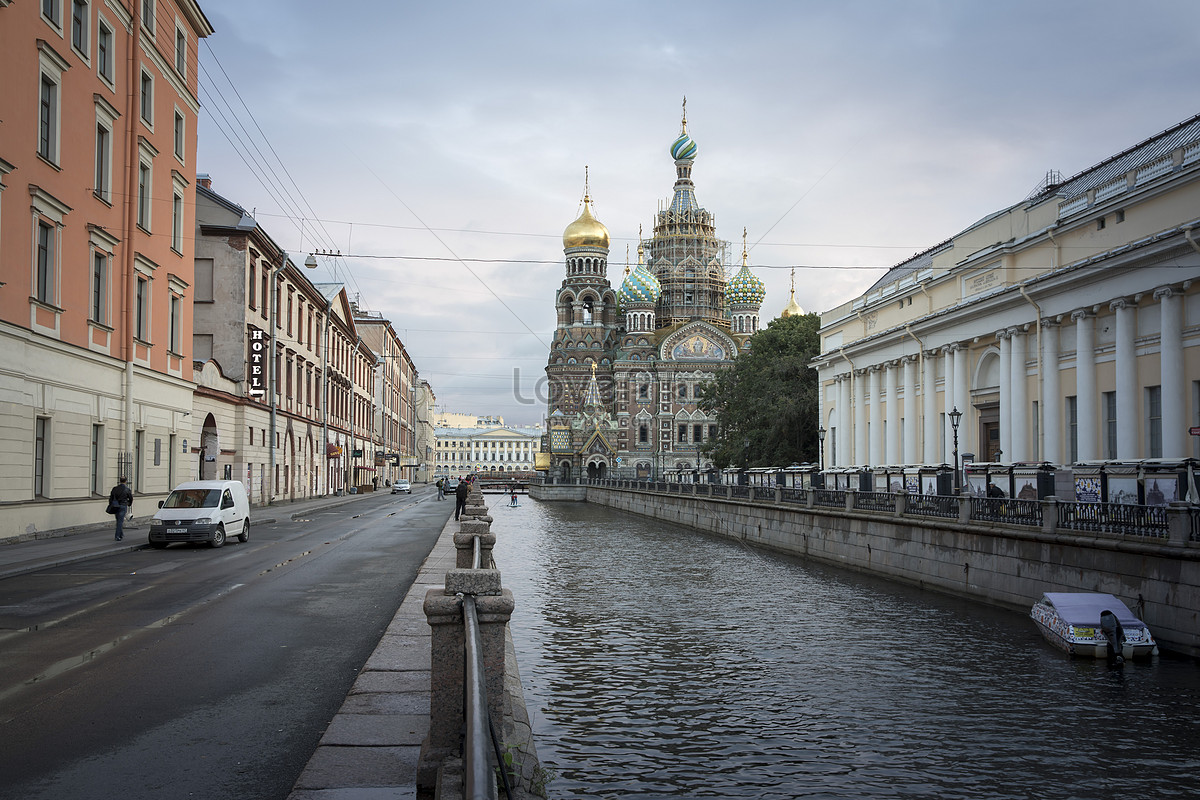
(947,405)
(875,437)
(929,427)
(1005,393)
(1128,418)
(1174,420)
(1020,399)
(962,399)
(1086,400)
(910,411)
(1051,401)
(860,417)
(891,454)
(845,433)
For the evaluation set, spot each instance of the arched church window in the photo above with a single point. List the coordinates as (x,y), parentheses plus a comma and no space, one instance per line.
(683,391)
(643,434)
(587,312)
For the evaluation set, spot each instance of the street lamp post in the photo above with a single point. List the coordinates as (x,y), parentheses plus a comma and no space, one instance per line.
(821,448)
(955,417)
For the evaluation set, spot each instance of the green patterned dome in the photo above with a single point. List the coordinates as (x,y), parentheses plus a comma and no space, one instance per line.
(639,287)
(683,148)
(744,289)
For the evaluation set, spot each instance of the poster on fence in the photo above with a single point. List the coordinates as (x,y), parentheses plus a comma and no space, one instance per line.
(1087,489)
(1123,489)
(1160,489)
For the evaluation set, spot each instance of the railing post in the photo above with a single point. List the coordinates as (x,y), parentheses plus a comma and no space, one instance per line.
(964,508)
(1179,523)
(901,503)
(850,497)
(778,493)
(1050,510)
(810,497)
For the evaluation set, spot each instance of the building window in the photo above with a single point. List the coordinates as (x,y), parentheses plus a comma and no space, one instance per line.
(103,185)
(52,13)
(1036,432)
(174,345)
(41,430)
(179,135)
(253,283)
(97,459)
(79,26)
(44,278)
(1109,404)
(143,199)
(139,441)
(147,106)
(177,222)
(1073,428)
(48,120)
(180,51)
(683,391)
(148,15)
(1154,421)
(682,434)
(99,286)
(141,310)
(104,51)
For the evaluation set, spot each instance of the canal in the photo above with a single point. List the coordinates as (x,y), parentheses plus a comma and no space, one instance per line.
(661,662)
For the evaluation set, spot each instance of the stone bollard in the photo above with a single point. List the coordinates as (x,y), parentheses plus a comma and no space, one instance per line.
(850,497)
(901,507)
(1050,514)
(464,544)
(1179,523)
(964,508)
(443,610)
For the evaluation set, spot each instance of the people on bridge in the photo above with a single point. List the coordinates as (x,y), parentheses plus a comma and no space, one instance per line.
(460,497)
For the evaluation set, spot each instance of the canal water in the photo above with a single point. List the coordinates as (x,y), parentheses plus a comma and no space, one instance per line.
(661,662)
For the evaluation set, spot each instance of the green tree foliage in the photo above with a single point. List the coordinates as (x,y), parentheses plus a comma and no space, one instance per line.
(766,403)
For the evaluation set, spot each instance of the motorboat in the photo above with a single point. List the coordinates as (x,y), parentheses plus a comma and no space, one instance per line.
(1093,625)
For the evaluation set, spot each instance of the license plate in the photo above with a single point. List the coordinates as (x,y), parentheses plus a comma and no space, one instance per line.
(177,530)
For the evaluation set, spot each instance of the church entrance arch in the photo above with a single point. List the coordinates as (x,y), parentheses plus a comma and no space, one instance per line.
(597,468)
(564,470)
(210,449)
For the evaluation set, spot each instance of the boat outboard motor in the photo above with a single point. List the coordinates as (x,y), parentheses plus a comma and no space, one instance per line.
(1111,627)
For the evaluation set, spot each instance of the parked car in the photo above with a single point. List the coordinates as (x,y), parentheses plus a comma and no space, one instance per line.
(401,485)
(450,485)
(202,511)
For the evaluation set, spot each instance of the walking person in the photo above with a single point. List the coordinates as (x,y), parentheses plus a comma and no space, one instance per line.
(121,500)
(460,497)
(513,502)
(441,487)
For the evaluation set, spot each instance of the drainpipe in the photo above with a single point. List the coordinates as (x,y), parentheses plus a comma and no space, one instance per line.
(1041,375)
(272,371)
(131,198)
(1191,240)
(1057,248)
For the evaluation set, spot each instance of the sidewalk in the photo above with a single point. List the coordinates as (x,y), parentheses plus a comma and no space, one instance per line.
(19,555)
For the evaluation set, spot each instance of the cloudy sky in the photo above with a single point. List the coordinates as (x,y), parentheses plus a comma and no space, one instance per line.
(440,147)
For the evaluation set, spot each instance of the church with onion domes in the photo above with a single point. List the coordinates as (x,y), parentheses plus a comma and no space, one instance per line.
(626,367)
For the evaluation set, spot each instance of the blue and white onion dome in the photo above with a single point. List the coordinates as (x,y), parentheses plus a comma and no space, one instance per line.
(639,286)
(745,289)
(684,148)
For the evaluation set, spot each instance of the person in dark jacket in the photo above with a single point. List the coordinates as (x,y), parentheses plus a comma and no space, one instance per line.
(460,497)
(121,498)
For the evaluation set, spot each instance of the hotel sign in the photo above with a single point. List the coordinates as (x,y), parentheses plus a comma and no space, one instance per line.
(258,362)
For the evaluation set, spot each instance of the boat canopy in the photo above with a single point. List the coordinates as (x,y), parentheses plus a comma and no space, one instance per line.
(1085,608)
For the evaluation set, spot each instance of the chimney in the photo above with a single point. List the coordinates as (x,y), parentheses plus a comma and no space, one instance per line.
(204,180)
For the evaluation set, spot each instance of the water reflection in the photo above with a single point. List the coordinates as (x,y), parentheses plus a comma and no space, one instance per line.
(659,662)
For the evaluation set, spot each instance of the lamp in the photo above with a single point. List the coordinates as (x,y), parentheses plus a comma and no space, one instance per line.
(955,417)
(821,448)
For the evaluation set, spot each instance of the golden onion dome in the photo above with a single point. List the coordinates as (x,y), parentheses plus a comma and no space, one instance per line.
(587,231)
(792,309)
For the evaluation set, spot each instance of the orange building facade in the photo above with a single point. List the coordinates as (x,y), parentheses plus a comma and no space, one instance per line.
(98,118)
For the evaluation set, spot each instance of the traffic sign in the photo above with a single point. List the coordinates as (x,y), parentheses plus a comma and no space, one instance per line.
(1194,430)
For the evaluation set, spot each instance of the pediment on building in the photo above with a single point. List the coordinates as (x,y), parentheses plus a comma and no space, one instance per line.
(597,444)
(698,341)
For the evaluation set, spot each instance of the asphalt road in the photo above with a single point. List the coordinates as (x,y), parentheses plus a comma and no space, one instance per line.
(198,673)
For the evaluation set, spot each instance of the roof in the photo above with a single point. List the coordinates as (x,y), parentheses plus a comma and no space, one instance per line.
(1084,608)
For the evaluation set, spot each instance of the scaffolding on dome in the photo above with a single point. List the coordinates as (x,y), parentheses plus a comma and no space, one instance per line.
(692,266)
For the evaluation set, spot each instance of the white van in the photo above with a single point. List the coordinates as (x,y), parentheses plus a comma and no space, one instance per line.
(202,511)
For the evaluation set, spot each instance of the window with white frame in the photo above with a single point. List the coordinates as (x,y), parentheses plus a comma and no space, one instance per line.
(99,287)
(1072,428)
(52,12)
(148,15)
(174,343)
(97,460)
(48,217)
(180,135)
(180,51)
(145,176)
(147,98)
(141,309)
(106,117)
(177,221)
(1109,405)
(1154,431)
(80,17)
(104,50)
(41,456)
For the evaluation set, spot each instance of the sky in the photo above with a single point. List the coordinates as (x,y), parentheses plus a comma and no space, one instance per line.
(441,147)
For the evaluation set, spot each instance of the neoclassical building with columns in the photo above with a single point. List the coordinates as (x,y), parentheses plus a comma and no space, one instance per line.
(1065,328)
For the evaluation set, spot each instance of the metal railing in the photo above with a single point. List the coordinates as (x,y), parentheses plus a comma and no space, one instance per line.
(1119,518)
(932,505)
(1007,509)
(789,494)
(874,501)
(829,498)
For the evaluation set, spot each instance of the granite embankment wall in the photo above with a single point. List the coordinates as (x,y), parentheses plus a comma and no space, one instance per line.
(999,564)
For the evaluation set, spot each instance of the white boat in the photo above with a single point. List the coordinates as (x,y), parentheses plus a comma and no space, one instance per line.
(1093,625)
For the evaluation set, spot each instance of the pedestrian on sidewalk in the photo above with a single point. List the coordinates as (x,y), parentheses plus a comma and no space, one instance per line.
(441,487)
(460,497)
(121,499)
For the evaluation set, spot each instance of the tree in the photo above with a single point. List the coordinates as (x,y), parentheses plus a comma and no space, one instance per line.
(766,402)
